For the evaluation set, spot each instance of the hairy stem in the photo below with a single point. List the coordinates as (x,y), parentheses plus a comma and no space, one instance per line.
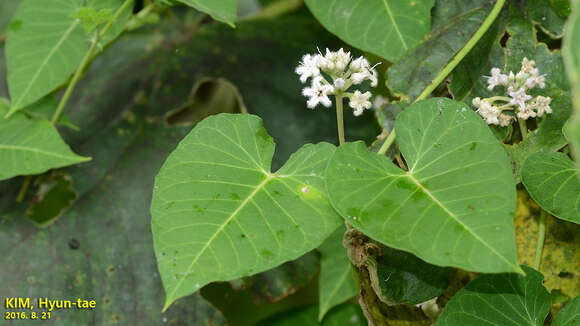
(541,237)
(86,60)
(339,119)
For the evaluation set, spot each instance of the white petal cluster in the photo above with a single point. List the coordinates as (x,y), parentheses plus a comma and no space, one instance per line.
(516,98)
(342,73)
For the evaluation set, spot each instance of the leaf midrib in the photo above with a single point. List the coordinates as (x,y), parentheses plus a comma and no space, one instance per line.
(35,150)
(218,231)
(395,25)
(52,52)
(452,215)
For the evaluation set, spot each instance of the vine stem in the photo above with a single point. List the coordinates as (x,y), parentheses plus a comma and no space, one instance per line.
(24,188)
(541,238)
(523,128)
(387,143)
(86,60)
(339,119)
(455,61)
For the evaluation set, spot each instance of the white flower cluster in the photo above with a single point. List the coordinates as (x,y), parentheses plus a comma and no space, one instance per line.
(524,106)
(343,71)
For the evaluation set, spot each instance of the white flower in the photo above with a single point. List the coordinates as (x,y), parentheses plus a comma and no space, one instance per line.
(476,102)
(309,67)
(380,101)
(527,65)
(505,120)
(360,101)
(359,65)
(339,83)
(497,78)
(374,78)
(526,112)
(536,79)
(519,97)
(489,112)
(318,93)
(542,105)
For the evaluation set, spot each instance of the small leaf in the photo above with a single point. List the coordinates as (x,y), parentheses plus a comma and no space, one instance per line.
(569,315)
(387,28)
(454,22)
(31,146)
(400,277)
(554,183)
(455,205)
(218,213)
(35,68)
(222,10)
(501,299)
(337,282)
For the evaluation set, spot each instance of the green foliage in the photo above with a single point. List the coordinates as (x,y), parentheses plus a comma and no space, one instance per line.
(91,18)
(447,209)
(344,315)
(569,315)
(224,175)
(37,68)
(502,299)
(31,146)
(571,53)
(554,183)
(223,10)
(386,28)
(338,281)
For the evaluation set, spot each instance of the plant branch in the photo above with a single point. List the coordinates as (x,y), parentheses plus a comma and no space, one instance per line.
(86,60)
(541,238)
(339,119)
(390,139)
(523,128)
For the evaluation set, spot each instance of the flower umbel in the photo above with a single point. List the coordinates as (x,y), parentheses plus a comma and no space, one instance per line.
(342,72)
(495,110)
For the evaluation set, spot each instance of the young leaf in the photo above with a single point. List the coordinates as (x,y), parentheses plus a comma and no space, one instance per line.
(218,213)
(455,205)
(222,10)
(569,315)
(501,299)
(337,282)
(454,22)
(554,183)
(31,146)
(47,47)
(386,28)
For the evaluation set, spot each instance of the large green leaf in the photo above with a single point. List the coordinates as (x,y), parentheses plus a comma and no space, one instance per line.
(222,10)
(31,146)
(500,300)
(454,22)
(571,54)
(387,28)
(546,15)
(554,183)
(46,44)
(218,213)
(449,209)
(569,315)
(337,282)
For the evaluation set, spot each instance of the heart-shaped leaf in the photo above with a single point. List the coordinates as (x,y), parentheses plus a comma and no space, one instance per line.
(501,299)
(569,315)
(554,183)
(218,213)
(31,146)
(337,282)
(455,204)
(385,28)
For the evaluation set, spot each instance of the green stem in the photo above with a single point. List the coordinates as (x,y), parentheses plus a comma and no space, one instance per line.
(541,237)
(24,188)
(463,52)
(523,128)
(86,60)
(339,119)
(387,143)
